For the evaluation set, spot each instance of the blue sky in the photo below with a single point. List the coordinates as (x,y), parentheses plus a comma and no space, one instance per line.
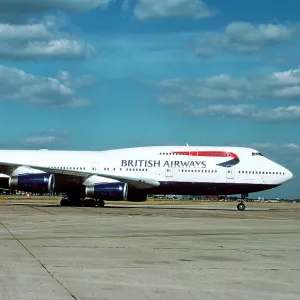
(103,74)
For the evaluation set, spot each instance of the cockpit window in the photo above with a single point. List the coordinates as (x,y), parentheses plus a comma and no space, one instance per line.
(256,153)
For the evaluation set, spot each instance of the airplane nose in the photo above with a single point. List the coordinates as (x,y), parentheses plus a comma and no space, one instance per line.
(289,175)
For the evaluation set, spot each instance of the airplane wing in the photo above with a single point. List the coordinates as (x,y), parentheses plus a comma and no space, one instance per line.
(139,183)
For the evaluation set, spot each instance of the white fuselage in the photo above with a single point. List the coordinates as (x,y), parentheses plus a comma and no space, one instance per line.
(179,169)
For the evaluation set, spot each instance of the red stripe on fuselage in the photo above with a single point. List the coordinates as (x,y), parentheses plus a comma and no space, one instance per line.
(207,153)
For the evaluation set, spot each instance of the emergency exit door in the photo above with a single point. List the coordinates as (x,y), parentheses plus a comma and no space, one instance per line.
(169,172)
(95,167)
(230,172)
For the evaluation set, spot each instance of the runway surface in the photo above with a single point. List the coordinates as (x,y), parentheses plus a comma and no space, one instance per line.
(149,252)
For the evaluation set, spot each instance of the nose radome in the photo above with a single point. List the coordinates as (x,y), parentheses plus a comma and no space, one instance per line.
(289,175)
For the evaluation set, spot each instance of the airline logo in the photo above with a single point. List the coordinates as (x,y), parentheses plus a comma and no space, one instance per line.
(233,158)
(165,164)
(201,163)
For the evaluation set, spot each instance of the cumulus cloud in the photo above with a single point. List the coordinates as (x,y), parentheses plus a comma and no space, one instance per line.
(280,114)
(14,10)
(75,82)
(228,96)
(245,38)
(278,85)
(16,84)
(40,40)
(196,9)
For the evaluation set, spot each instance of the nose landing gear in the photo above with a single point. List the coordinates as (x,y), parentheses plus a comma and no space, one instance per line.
(242,204)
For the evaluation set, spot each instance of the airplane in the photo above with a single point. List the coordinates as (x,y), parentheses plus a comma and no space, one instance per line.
(90,177)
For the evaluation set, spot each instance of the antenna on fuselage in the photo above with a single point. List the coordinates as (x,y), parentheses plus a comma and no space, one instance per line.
(187,144)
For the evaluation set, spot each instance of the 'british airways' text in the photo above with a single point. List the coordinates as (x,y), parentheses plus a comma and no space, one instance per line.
(140,163)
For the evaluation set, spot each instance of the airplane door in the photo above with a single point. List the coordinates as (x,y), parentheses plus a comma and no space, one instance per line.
(95,167)
(230,172)
(169,172)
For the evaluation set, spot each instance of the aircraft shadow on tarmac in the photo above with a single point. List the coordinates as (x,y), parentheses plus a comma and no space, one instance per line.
(154,207)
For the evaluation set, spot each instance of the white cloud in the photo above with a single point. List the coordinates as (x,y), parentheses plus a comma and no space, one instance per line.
(278,114)
(75,82)
(234,97)
(9,32)
(47,138)
(41,140)
(278,85)
(56,49)
(245,38)
(16,84)
(13,10)
(293,146)
(40,40)
(146,9)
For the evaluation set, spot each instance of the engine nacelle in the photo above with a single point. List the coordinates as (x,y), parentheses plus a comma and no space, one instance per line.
(114,191)
(136,196)
(36,183)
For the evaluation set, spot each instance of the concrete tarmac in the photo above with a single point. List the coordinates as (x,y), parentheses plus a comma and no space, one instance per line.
(151,252)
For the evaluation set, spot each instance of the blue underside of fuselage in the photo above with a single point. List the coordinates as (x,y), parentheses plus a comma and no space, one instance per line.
(182,188)
(207,188)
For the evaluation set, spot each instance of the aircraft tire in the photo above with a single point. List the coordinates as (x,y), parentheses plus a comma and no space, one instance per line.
(100,203)
(241,206)
(64,202)
(90,203)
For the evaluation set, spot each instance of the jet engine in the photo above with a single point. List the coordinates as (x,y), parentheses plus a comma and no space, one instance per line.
(136,196)
(36,183)
(114,191)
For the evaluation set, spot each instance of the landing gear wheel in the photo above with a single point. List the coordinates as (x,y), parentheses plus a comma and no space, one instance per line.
(64,202)
(100,203)
(241,206)
(90,203)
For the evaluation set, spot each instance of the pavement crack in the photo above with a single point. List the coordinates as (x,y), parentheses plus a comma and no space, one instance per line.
(253,253)
(39,261)
(42,210)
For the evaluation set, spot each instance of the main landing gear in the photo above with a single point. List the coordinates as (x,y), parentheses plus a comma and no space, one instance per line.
(242,204)
(87,202)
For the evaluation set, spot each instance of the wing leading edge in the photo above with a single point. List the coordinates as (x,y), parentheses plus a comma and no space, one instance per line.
(139,183)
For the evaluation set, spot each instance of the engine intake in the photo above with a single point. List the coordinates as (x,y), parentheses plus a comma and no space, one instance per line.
(115,191)
(36,183)
(136,196)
